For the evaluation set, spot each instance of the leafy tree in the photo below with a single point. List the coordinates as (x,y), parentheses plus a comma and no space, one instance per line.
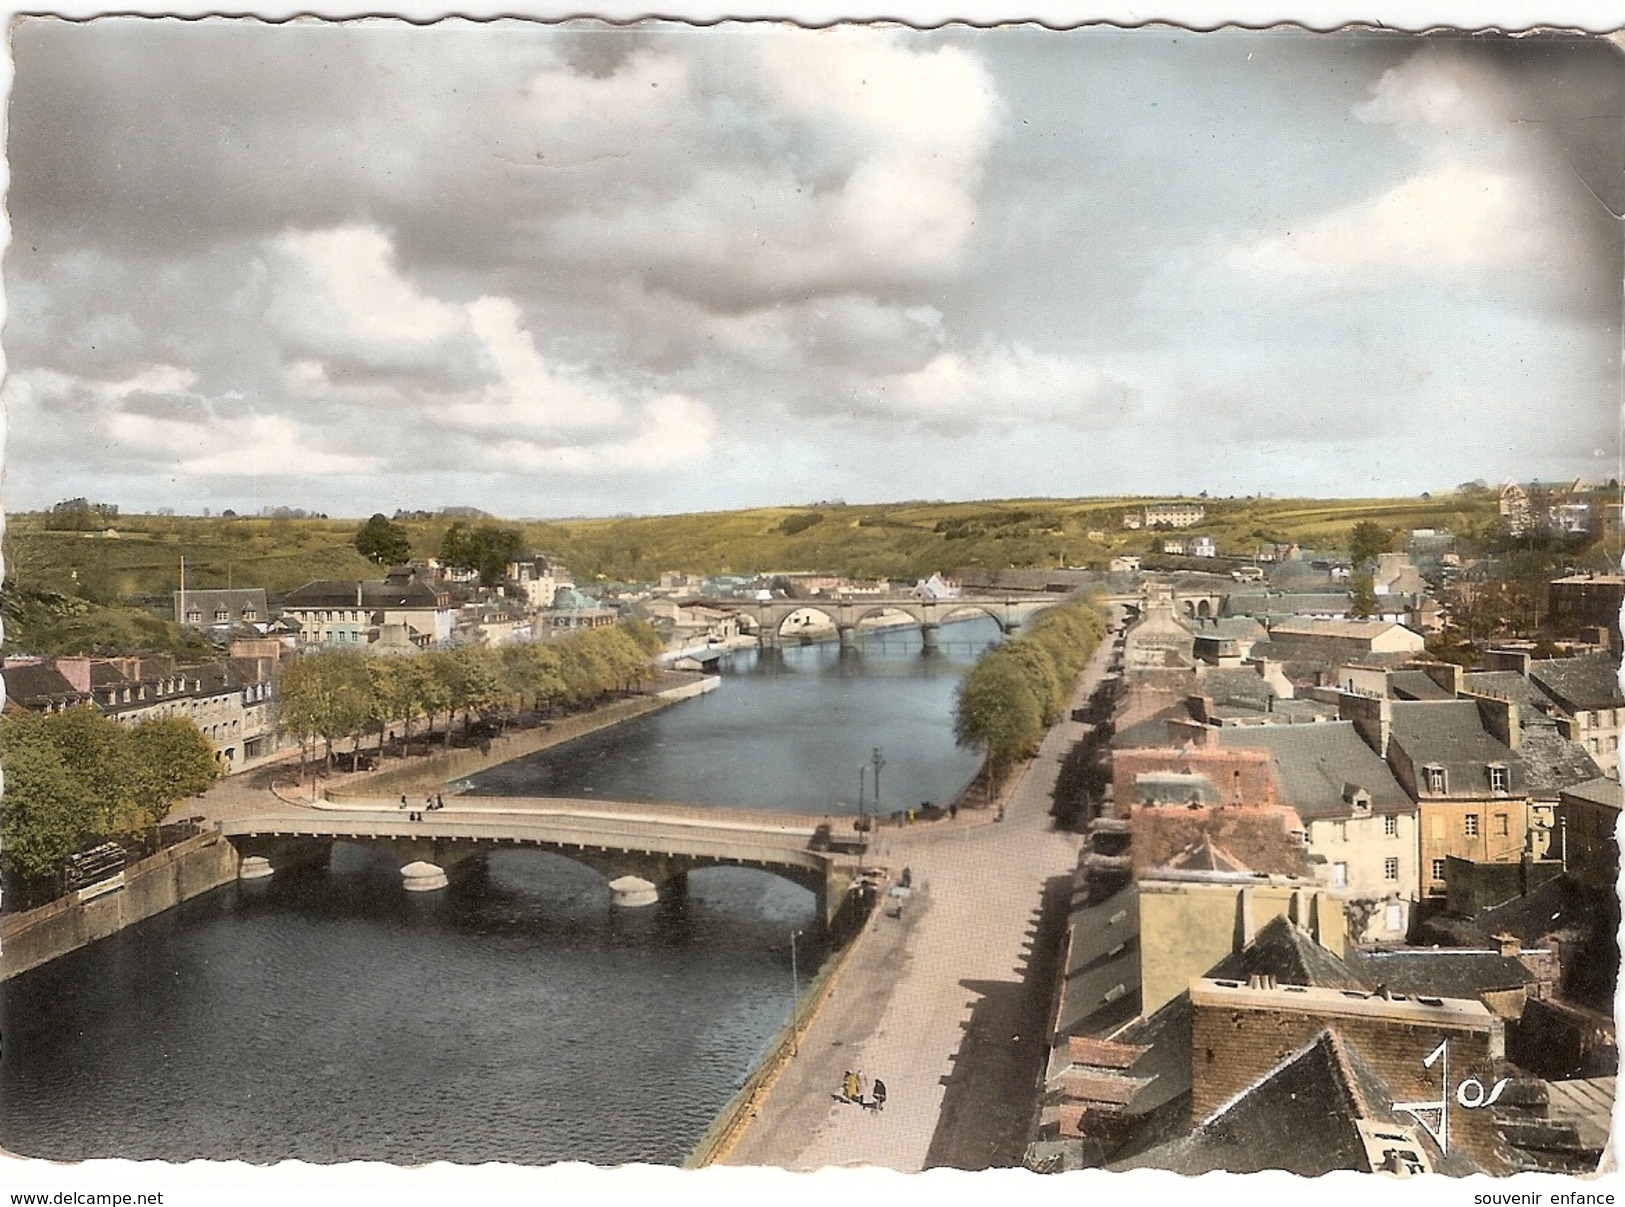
(326,695)
(1366,540)
(998,713)
(487,549)
(46,814)
(170,761)
(98,754)
(471,678)
(1365,595)
(382,541)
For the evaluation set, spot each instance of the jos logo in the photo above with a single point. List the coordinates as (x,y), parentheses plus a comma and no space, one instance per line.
(1470,1093)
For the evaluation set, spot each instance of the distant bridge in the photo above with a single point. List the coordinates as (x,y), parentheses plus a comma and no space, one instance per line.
(846,613)
(660,844)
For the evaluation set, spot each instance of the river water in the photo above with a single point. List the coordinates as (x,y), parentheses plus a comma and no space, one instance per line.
(326,1015)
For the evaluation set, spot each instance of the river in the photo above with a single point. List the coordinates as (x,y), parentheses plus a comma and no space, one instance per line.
(325,1015)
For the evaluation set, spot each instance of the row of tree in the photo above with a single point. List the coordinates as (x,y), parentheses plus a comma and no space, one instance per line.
(74,777)
(1019,688)
(336,694)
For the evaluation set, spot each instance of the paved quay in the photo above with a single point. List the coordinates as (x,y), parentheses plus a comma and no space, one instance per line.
(937,1003)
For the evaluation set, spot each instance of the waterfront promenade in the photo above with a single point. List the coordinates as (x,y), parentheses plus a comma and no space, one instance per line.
(937,1003)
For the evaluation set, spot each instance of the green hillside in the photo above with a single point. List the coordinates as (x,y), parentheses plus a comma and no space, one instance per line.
(903,540)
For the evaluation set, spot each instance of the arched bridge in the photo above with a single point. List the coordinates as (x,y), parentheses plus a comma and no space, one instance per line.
(847,612)
(660,844)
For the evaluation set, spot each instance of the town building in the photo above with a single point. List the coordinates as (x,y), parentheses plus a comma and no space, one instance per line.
(221,607)
(1579,603)
(1174,515)
(401,610)
(1358,825)
(537,579)
(1588,821)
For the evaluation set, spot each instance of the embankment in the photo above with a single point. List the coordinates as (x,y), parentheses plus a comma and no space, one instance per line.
(432,772)
(149,887)
(725,1130)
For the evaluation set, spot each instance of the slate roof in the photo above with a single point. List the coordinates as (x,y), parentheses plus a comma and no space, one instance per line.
(1587,682)
(1306,655)
(1416,685)
(1301,1118)
(1105,954)
(1233,627)
(1600,790)
(1234,685)
(36,684)
(1450,734)
(1534,705)
(1288,603)
(1314,762)
(1437,971)
(386,593)
(1284,952)
(1552,763)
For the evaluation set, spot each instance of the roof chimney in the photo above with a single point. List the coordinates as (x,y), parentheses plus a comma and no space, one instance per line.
(1511,945)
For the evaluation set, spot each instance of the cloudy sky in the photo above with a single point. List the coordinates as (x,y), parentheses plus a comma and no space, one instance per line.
(590,270)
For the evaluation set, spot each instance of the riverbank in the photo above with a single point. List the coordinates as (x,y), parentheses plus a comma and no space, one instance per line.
(952,1025)
(429,773)
(188,869)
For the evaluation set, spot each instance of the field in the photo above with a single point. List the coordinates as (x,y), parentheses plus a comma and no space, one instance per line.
(904,540)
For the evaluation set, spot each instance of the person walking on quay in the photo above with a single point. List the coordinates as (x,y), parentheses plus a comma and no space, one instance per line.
(880,1094)
(403,800)
(849,1086)
(439,801)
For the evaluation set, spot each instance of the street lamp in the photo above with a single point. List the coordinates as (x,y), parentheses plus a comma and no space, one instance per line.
(795,994)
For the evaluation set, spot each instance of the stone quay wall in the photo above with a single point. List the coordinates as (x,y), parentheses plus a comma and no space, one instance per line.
(150,886)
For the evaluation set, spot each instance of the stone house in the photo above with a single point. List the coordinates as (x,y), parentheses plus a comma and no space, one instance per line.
(1588,815)
(1359,827)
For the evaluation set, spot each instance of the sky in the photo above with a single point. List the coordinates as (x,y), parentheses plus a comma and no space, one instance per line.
(590,270)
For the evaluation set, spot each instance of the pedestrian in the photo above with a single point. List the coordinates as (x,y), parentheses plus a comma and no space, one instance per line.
(880,1094)
(403,800)
(953,811)
(849,1086)
(439,801)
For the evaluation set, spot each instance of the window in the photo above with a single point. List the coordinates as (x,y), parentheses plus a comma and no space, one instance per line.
(1340,875)
(1394,919)
(1390,826)
(1390,870)
(1470,825)
(1503,825)
(1438,869)
(221,615)
(1500,780)
(1435,779)
(250,613)
(1342,831)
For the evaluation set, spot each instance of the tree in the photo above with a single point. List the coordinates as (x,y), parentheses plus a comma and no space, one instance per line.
(170,761)
(46,814)
(487,549)
(997,712)
(1365,595)
(98,755)
(1366,540)
(326,695)
(382,541)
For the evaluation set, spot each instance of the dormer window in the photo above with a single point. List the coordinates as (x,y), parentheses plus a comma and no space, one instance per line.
(1435,778)
(1500,778)
(221,615)
(251,613)
(194,616)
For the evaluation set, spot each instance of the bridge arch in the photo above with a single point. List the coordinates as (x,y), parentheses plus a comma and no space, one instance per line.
(786,610)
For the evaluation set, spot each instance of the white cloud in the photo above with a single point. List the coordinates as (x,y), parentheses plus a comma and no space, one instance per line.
(355,267)
(1009,383)
(527,393)
(1450,216)
(671,429)
(251,445)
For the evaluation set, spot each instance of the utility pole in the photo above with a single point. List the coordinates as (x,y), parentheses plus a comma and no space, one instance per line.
(879,761)
(795,994)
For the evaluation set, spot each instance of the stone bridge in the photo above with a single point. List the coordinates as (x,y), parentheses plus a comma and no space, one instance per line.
(655,844)
(847,612)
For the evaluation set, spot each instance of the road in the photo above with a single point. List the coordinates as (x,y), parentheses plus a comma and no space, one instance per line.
(939,1003)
